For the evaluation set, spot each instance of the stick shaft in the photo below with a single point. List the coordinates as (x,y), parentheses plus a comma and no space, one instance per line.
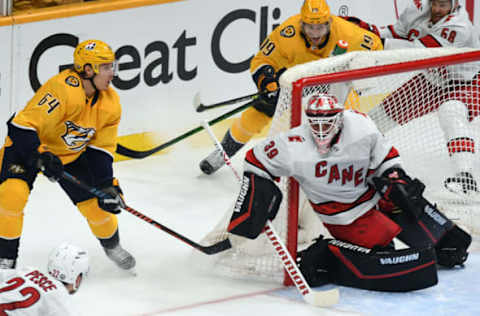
(136,154)
(202,107)
(215,248)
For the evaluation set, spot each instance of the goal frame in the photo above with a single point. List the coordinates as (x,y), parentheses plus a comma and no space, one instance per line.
(342,76)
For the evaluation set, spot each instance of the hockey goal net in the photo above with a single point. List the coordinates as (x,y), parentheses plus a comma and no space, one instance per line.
(402,91)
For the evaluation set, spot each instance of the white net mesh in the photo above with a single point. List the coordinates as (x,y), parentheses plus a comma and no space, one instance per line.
(406,107)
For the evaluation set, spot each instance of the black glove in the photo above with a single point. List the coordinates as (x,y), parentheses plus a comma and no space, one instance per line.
(267,82)
(396,186)
(113,203)
(50,165)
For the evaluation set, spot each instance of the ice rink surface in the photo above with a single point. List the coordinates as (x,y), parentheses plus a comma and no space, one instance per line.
(171,189)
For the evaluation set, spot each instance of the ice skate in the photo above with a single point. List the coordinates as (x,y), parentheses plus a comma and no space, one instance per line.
(215,160)
(462,182)
(212,163)
(7,263)
(121,257)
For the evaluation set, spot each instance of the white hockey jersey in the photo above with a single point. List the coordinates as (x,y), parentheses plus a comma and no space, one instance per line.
(29,292)
(337,183)
(414,25)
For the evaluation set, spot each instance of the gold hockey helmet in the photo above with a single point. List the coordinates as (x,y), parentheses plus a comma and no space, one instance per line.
(94,53)
(315,12)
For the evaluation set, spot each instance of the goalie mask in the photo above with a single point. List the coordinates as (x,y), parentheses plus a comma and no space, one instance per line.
(325,118)
(67,262)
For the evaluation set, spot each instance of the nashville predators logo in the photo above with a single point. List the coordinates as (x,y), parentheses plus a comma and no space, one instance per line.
(289,31)
(72,81)
(77,137)
(16,169)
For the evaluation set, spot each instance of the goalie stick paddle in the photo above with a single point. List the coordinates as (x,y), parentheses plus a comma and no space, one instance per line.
(317,298)
(139,154)
(200,107)
(209,250)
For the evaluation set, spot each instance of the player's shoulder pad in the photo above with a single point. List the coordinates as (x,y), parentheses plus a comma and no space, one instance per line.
(359,119)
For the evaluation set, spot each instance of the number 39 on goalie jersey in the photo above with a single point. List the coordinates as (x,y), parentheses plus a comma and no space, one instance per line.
(336,183)
(29,292)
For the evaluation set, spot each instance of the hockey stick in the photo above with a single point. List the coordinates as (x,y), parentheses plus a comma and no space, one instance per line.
(209,250)
(316,298)
(200,107)
(136,154)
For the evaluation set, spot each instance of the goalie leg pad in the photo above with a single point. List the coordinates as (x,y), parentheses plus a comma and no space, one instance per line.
(313,262)
(258,201)
(428,229)
(452,248)
(385,270)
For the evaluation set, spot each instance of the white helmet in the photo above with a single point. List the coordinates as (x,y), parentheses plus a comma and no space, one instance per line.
(454,4)
(67,262)
(325,118)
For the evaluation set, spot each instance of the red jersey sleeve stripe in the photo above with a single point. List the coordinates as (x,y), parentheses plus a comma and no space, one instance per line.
(430,41)
(394,34)
(252,159)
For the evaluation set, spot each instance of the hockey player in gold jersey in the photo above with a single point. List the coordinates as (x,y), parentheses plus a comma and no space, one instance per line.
(308,36)
(70,124)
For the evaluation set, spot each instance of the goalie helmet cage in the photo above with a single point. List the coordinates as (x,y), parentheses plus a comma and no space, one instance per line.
(402,91)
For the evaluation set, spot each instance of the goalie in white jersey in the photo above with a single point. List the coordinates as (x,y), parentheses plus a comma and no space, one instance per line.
(341,161)
(29,292)
(432,24)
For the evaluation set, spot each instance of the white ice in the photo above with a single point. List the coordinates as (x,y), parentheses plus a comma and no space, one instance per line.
(170,189)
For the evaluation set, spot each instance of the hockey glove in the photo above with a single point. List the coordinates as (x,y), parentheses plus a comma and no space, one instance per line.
(396,186)
(114,203)
(267,82)
(364,25)
(50,165)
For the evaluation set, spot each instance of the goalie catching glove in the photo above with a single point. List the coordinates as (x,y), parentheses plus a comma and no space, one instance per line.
(258,201)
(395,185)
(113,202)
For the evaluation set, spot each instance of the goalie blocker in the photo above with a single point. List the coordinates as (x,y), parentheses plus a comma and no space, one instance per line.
(258,201)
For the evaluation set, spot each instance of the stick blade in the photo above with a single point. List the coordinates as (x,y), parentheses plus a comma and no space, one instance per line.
(216,248)
(323,298)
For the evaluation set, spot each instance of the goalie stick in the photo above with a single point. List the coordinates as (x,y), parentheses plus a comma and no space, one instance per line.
(200,107)
(139,154)
(316,298)
(209,250)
